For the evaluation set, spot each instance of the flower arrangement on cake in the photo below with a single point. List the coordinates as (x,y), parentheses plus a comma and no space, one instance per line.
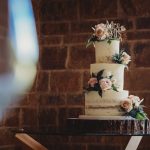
(101,82)
(109,31)
(131,106)
(121,58)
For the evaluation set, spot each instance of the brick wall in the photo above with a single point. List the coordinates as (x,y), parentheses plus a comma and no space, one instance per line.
(63,28)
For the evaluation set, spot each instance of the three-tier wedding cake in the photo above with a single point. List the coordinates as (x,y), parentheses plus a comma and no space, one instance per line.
(104,96)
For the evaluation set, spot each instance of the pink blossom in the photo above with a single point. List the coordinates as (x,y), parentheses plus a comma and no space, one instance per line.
(105,84)
(92,81)
(127,104)
(125,58)
(135,100)
(101,31)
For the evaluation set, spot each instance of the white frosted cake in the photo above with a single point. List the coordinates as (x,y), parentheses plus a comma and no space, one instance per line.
(104,96)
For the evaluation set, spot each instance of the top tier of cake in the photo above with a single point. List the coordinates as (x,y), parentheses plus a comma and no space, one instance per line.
(104,50)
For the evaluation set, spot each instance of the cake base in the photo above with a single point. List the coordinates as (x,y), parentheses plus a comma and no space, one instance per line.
(108,127)
(90,117)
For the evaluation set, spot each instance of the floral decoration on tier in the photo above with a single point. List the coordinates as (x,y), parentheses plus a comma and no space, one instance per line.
(101,82)
(132,107)
(121,58)
(109,31)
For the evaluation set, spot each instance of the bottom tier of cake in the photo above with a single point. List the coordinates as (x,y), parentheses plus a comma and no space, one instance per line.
(107,105)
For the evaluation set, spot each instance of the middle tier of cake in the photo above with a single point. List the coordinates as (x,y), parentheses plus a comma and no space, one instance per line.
(107,105)
(117,70)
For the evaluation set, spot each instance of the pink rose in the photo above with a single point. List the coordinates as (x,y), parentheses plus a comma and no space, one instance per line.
(101,31)
(125,58)
(92,82)
(135,100)
(126,105)
(105,84)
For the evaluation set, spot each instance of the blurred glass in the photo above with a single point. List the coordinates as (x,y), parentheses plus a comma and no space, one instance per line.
(18,49)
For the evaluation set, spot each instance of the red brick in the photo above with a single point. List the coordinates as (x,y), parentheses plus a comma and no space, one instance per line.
(145,144)
(6,137)
(4,32)
(104,147)
(58,10)
(35,6)
(12,117)
(142,54)
(20,101)
(138,35)
(86,77)
(62,117)
(76,39)
(53,58)
(51,139)
(52,99)
(47,116)
(125,21)
(83,139)
(126,46)
(65,146)
(29,117)
(50,40)
(65,81)
(78,147)
(113,139)
(135,7)
(42,81)
(81,57)
(137,80)
(94,9)
(4,13)
(75,112)
(73,99)
(33,99)
(33,86)
(82,26)
(54,28)
(143,23)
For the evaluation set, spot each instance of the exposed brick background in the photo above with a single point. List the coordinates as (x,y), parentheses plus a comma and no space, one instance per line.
(63,27)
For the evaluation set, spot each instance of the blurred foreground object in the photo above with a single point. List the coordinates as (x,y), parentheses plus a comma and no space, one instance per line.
(18,49)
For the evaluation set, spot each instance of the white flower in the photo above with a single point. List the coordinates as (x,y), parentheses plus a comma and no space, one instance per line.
(105,84)
(125,58)
(101,31)
(135,100)
(123,28)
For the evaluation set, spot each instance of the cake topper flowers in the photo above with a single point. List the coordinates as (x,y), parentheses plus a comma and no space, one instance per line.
(108,31)
(101,82)
(132,107)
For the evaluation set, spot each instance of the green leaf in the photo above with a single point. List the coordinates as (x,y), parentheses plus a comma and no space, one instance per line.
(93,75)
(100,92)
(89,43)
(140,116)
(110,77)
(114,88)
(99,74)
(109,41)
